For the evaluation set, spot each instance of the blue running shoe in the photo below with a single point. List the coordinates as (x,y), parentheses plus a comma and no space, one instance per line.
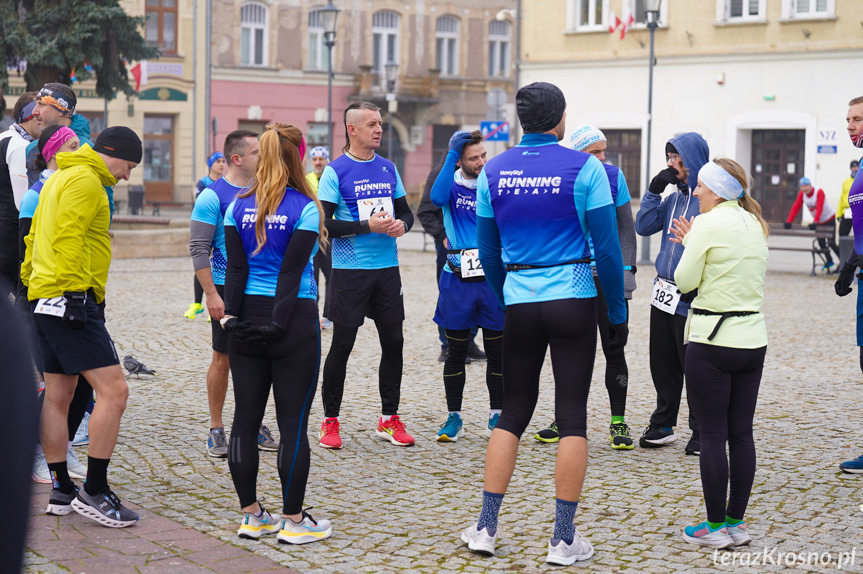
(703,535)
(853,466)
(451,430)
(492,422)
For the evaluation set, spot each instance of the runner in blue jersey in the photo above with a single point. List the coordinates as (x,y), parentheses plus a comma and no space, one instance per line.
(590,139)
(207,246)
(271,233)
(465,299)
(536,204)
(846,275)
(685,155)
(216,164)
(365,193)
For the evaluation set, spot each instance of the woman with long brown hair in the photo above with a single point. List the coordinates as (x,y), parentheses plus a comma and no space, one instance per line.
(726,260)
(271,235)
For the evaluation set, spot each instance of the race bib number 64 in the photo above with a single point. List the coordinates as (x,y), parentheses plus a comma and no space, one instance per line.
(666,296)
(373,205)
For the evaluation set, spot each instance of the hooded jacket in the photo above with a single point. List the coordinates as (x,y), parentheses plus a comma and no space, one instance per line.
(657,213)
(68,248)
(79,125)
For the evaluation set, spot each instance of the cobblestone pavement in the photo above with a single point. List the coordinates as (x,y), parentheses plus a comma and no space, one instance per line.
(401,509)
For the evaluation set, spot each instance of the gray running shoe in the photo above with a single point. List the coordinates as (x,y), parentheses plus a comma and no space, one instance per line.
(266,440)
(41,474)
(60,504)
(104,508)
(74,466)
(217,445)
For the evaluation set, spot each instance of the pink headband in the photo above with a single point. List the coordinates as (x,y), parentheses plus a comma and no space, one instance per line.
(302,149)
(56,141)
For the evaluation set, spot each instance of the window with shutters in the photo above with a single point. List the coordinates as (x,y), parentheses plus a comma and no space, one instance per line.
(447,45)
(253,34)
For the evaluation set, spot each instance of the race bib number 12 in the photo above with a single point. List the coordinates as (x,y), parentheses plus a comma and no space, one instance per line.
(373,205)
(666,296)
(55,306)
(470,264)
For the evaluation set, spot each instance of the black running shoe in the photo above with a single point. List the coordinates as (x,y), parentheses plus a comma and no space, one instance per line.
(548,435)
(693,447)
(476,353)
(60,504)
(104,508)
(656,436)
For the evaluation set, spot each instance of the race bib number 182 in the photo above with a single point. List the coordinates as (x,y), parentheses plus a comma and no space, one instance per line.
(666,296)
(372,205)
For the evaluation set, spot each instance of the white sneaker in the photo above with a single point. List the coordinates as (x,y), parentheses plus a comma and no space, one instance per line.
(739,534)
(254,527)
(74,466)
(479,540)
(40,473)
(308,530)
(82,435)
(559,552)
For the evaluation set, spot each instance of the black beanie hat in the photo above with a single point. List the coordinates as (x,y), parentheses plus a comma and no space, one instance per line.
(120,142)
(540,107)
(669,148)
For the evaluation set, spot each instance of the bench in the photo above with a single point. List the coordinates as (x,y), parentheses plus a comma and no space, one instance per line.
(820,232)
(157,205)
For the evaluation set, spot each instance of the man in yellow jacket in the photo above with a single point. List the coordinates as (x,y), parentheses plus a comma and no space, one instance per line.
(65,271)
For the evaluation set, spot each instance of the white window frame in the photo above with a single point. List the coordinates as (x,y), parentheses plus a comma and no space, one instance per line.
(447,29)
(663,14)
(318,53)
(385,35)
(247,14)
(723,12)
(596,24)
(499,49)
(790,10)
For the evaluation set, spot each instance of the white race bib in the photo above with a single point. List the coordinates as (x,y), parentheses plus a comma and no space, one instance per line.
(470,265)
(372,205)
(666,296)
(55,306)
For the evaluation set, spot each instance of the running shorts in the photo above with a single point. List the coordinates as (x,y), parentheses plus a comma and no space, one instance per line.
(69,351)
(467,304)
(359,293)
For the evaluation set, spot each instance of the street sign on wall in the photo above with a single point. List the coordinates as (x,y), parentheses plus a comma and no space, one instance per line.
(495,131)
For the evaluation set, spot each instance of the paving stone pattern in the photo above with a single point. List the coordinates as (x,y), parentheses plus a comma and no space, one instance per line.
(401,509)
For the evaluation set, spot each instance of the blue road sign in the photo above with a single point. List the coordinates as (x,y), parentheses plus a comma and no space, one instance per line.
(495,131)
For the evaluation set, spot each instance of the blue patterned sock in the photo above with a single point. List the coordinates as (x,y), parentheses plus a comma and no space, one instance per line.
(564,520)
(488,514)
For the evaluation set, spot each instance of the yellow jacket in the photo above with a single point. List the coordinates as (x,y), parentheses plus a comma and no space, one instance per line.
(68,248)
(843,198)
(313,180)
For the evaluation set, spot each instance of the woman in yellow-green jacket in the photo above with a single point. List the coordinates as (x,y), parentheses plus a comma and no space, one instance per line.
(726,260)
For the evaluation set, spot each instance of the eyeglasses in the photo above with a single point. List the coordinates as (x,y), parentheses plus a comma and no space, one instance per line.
(671,157)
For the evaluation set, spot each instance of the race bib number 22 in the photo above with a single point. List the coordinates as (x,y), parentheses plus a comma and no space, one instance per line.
(55,306)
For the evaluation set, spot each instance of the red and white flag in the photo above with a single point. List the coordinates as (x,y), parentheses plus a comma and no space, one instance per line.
(613,22)
(628,20)
(139,72)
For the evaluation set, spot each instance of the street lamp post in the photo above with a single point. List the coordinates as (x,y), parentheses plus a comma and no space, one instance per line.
(651,13)
(329,16)
(392,72)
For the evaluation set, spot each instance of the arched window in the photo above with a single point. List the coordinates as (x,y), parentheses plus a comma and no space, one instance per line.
(498,48)
(319,54)
(447,45)
(385,39)
(253,34)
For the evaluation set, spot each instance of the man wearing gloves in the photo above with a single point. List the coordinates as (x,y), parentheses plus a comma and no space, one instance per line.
(685,155)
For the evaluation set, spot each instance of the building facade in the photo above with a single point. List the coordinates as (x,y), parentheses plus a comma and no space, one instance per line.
(766,82)
(270,64)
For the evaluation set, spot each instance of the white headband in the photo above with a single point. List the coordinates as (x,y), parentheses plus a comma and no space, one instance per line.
(720,181)
(584,136)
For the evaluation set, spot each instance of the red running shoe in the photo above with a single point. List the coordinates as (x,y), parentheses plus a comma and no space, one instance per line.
(393,430)
(330,434)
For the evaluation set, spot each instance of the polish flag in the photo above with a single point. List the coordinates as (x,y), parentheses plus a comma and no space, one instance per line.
(613,22)
(139,72)
(628,20)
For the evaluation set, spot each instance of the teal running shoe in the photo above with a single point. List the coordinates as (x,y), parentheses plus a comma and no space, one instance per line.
(452,429)
(703,535)
(492,422)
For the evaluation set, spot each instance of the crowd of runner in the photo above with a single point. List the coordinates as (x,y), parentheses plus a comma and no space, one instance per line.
(537,250)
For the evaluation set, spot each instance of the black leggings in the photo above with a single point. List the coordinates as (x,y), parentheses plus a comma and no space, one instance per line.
(199,291)
(667,364)
(389,373)
(290,364)
(568,326)
(458,343)
(616,371)
(722,385)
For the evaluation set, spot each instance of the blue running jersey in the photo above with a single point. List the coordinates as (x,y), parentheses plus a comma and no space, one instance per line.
(31,197)
(855,201)
(345,182)
(619,195)
(295,212)
(535,192)
(459,220)
(210,207)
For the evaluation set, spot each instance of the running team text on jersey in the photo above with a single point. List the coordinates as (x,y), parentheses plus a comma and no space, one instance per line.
(210,208)
(534,193)
(459,220)
(855,201)
(360,189)
(296,212)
